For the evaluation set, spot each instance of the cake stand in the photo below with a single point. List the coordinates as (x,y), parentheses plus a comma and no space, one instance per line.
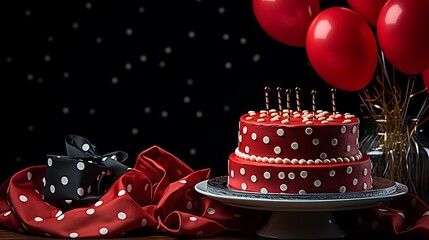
(301,216)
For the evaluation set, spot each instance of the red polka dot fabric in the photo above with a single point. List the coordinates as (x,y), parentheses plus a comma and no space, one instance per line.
(406,217)
(158,196)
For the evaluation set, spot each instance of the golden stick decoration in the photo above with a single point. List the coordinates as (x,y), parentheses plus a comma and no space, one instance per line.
(279,99)
(298,104)
(400,155)
(267,101)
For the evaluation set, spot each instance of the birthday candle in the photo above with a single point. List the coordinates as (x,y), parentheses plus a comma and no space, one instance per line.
(267,101)
(313,102)
(279,98)
(298,104)
(288,91)
(334,105)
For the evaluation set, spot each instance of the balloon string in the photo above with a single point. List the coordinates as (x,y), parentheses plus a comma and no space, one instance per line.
(364,102)
(409,90)
(422,110)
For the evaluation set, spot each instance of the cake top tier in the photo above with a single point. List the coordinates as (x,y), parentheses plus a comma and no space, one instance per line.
(290,118)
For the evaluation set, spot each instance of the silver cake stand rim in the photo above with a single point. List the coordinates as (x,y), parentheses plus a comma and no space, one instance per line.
(383,188)
(314,212)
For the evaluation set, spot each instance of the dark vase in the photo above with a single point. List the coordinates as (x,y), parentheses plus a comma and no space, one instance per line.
(399,151)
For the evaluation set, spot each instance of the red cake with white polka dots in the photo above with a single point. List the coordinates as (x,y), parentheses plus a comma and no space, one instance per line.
(299,152)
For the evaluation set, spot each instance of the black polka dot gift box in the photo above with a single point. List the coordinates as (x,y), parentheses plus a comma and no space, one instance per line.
(81,176)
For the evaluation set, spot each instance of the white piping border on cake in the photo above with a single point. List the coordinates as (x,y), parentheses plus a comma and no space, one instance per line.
(279,160)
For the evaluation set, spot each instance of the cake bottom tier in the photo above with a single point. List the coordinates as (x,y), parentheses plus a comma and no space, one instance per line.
(246,175)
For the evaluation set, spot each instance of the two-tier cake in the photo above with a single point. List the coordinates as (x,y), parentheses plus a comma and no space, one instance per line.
(286,151)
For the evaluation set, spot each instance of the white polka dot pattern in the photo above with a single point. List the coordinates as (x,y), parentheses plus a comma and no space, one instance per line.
(23,198)
(74,178)
(29,176)
(267,175)
(85,147)
(211,211)
(253,178)
(64,180)
(349,170)
(144,222)
(272,178)
(294,139)
(52,189)
(122,216)
(317,183)
(80,191)
(80,166)
(294,145)
(266,140)
(103,231)
(315,141)
(254,136)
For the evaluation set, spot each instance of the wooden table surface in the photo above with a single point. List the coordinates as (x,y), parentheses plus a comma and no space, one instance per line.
(7,234)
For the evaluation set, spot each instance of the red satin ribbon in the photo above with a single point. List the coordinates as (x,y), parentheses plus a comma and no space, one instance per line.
(158,196)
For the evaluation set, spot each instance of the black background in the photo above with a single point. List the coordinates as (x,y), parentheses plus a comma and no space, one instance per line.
(128,75)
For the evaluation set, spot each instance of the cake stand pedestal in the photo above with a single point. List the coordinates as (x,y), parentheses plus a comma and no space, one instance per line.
(301,216)
(301,225)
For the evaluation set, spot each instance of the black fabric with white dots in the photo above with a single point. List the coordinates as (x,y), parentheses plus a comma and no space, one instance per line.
(82,176)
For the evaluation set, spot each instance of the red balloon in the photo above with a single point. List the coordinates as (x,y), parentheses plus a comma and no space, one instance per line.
(425,75)
(286,21)
(342,48)
(369,9)
(403,34)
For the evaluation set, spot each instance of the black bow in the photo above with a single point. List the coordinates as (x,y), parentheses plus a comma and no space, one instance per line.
(83,175)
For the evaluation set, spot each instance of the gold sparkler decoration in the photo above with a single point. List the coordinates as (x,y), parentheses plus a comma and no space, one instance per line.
(398,152)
